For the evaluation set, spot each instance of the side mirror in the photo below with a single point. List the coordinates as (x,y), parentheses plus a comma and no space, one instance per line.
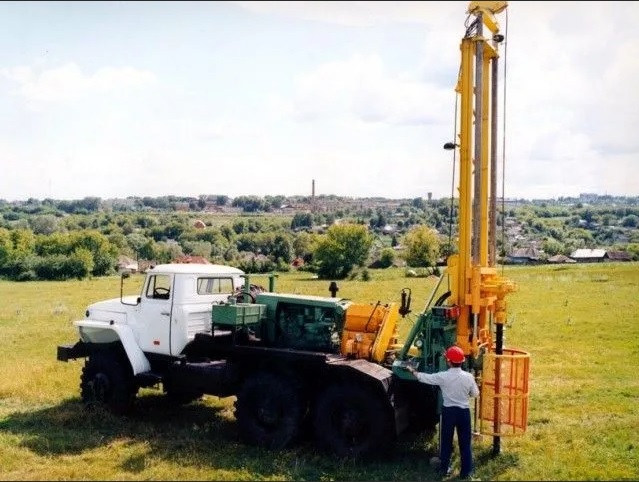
(123,276)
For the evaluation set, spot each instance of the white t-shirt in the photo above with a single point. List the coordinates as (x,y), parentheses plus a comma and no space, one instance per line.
(457,386)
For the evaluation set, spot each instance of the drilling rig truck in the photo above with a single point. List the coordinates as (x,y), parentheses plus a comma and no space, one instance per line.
(327,366)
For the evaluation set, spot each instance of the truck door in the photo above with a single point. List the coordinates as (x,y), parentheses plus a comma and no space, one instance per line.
(155,314)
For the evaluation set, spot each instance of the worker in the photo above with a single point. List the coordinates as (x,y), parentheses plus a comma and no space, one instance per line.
(457,387)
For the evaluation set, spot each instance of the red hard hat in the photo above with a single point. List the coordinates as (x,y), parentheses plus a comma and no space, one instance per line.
(455,355)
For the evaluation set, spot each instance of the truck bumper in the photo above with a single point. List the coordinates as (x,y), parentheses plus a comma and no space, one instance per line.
(71,352)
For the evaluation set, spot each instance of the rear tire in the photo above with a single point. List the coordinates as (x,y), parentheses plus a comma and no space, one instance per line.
(108,381)
(269,411)
(351,421)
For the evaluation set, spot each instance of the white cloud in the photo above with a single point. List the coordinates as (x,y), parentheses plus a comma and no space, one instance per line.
(361,88)
(68,82)
(571,113)
(216,130)
(357,13)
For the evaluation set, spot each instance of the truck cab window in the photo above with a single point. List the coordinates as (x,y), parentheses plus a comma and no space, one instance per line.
(159,287)
(214,286)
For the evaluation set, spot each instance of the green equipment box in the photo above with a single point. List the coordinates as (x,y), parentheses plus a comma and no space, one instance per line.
(238,314)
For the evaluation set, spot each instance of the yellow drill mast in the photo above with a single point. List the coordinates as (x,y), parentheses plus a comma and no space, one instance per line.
(472,313)
(475,284)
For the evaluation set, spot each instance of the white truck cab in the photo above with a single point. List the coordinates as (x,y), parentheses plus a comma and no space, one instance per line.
(174,304)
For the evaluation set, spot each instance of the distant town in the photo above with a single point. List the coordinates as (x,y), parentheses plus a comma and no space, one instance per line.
(59,239)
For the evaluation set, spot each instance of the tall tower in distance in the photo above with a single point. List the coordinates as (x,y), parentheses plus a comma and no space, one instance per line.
(313,195)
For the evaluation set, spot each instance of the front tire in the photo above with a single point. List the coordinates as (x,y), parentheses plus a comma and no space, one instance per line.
(351,421)
(107,381)
(269,411)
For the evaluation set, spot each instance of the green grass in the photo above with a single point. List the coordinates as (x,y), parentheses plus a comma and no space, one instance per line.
(580,323)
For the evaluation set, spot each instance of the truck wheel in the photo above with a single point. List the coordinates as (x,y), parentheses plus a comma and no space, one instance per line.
(269,411)
(351,421)
(107,381)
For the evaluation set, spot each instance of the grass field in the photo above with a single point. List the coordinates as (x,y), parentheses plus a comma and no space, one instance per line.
(580,323)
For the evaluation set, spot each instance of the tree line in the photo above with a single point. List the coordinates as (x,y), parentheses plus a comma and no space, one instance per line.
(78,246)
(52,239)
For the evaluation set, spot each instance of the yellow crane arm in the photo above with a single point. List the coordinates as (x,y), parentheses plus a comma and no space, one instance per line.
(488,10)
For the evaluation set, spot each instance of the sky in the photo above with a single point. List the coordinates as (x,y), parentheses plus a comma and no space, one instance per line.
(117,99)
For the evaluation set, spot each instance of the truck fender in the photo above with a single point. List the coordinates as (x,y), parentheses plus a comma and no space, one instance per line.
(94,331)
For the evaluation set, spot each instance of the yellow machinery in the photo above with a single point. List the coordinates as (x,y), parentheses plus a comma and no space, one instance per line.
(370,331)
(476,285)
(472,313)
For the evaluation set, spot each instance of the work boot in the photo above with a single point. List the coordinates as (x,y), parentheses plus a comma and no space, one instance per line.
(444,471)
(470,476)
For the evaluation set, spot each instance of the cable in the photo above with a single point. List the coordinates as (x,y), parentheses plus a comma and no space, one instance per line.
(472,29)
(503,149)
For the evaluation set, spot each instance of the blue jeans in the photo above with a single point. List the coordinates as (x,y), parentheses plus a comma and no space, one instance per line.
(456,418)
